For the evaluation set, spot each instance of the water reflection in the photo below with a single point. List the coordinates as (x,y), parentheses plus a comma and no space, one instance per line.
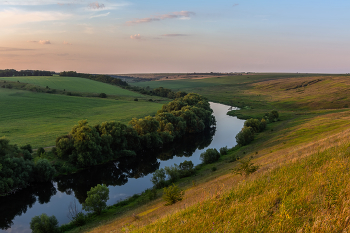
(19,202)
(124,177)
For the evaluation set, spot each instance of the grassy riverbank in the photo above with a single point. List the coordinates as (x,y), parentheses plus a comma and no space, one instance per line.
(301,185)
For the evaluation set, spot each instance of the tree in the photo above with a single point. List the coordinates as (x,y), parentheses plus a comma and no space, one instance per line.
(210,156)
(158,178)
(172,194)
(97,198)
(254,123)
(43,171)
(44,224)
(245,137)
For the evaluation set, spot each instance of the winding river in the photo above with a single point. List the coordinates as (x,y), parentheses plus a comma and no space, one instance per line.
(124,178)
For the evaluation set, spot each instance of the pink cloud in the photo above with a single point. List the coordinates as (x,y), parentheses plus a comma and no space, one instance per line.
(44,42)
(96,6)
(67,43)
(135,37)
(174,15)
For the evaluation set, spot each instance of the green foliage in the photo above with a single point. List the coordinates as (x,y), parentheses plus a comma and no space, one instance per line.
(27,147)
(223,150)
(43,171)
(27,155)
(246,167)
(44,224)
(210,156)
(136,99)
(158,178)
(272,116)
(103,95)
(186,168)
(97,198)
(254,124)
(151,193)
(172,194)
(245,137)
(263,124)
(40,151)
(173,172)
(214,169)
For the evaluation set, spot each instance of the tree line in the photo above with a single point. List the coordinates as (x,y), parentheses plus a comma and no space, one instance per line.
(100,78)
(12,72)
(18,169)
(88,145)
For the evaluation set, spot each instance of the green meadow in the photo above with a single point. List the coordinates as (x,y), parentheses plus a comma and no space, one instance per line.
(72,84)
(39,118)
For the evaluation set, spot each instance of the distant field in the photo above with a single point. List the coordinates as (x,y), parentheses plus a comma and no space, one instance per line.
(38,118)
(72,84)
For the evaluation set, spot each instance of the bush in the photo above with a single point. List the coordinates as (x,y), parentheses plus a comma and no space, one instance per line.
(172,194)
(214,169)
(210,156)
(245,137)
(246,167)
(136,99)
(186,168)
(40,151)
(103,95)
(158,178)
(272,116)
(97,198)
(262,125)
(27,147)
(43,224)
(151,193)
(223,150)
(173,172)
(254,124)
(27,155)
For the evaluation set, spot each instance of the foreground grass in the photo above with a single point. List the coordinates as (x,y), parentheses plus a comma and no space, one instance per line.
(39,118)
(71,84)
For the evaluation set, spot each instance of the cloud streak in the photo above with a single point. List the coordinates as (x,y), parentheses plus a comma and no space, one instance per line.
(15,16)
(174,15)
(44,42)
(174,35)
(9,49)
(100,15)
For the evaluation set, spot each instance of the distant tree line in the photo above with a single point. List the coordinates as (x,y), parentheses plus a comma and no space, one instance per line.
(89,145)
(100,78)
(17,168)
(12,72)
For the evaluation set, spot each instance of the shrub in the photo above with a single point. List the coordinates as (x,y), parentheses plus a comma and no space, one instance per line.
(158,178)
(43,224)
(27,147)
(272,116)
(97,198)
(40,151)
(245,137)
(151,193)
(233,158)
(186,168)
(27,155)
(136,99)
(103,95)
(214,169)
(246,167)
(173,172)
(172,194)
(254,124)
(210,156)
(223,150)
(262,125)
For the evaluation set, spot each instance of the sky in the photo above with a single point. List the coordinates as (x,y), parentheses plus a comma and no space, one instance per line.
(155,36)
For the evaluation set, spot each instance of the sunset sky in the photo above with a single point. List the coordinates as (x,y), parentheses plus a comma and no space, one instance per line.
(138,36)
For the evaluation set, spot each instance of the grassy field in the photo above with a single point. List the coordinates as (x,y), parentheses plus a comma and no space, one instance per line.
(302,184)
(38,118)
(72,84)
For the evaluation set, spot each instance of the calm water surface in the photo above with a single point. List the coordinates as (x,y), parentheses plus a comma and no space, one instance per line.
(124,178)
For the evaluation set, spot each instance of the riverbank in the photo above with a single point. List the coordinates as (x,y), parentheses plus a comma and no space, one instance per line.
(308,141)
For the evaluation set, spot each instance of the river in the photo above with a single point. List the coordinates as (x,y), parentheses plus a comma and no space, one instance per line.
(124,178)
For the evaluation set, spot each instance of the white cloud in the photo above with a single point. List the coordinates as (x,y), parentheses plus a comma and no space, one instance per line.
(174,15)
(44,42)
(100,15)
(135,37)
(15,16)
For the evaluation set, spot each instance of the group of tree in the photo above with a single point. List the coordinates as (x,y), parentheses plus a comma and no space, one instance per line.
(89,145)
(17,168)
(160,91)
(12,72)
(100,78)
(253,126)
